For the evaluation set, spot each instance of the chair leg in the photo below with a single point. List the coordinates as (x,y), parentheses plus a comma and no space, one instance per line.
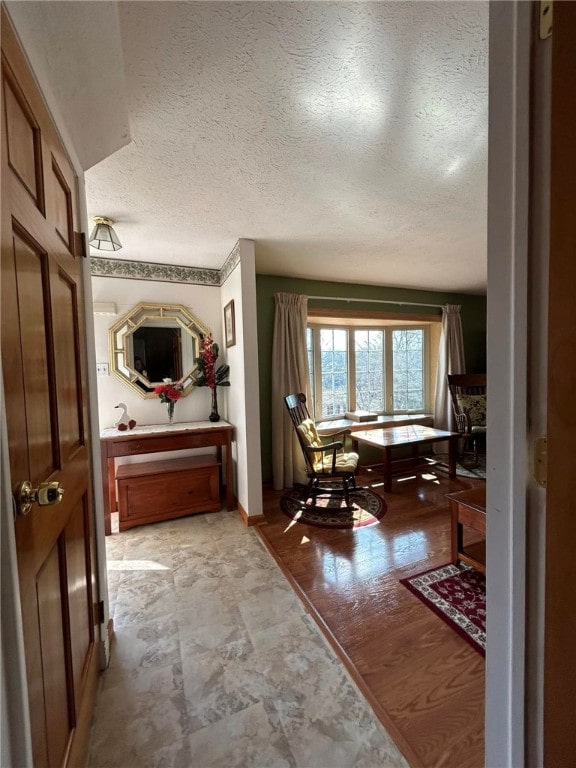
(310,489)
(475,446)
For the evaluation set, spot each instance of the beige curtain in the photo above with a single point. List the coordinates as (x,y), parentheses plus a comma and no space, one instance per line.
(289,374)
(450,360)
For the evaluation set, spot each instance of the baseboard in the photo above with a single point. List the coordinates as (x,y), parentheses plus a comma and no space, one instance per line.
(249,519)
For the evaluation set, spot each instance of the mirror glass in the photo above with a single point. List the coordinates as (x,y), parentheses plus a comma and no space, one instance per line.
(154,342)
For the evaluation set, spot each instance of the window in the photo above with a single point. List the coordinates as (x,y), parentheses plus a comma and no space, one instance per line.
(408,369)
(383,368)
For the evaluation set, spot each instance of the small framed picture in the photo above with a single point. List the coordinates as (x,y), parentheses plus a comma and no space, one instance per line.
(229,324)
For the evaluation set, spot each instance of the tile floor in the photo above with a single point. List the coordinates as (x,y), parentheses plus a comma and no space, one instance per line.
(216,664)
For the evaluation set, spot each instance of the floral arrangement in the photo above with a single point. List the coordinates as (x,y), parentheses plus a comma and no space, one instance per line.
(206,374)
(169,393)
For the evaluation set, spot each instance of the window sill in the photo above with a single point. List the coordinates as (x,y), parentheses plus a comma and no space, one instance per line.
(382,422)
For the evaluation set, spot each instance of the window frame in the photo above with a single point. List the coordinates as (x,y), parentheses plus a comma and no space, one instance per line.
(375,322)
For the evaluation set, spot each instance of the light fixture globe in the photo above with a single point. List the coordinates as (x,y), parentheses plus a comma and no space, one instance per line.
(103,236)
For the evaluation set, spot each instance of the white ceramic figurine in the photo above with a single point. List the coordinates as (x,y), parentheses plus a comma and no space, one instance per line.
(124,421)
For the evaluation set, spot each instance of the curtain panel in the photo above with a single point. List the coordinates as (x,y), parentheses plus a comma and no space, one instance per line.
(289,374)
(450,360)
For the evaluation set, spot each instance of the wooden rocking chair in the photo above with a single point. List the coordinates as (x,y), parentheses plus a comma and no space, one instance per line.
(468,393)
(326,463)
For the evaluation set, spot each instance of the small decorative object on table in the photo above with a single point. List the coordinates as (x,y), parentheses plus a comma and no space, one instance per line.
(124,421)
(207,375)
(169,393)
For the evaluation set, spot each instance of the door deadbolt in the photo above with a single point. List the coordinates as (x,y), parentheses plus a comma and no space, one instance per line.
(46,494)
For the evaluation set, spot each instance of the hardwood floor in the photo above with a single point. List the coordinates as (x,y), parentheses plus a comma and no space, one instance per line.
(425,683)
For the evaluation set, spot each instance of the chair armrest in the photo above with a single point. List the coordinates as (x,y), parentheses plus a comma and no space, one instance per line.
(342,434)
(329,434)
(331,446)
(334,447)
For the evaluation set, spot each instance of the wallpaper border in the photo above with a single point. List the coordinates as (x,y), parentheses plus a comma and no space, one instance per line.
(100,266)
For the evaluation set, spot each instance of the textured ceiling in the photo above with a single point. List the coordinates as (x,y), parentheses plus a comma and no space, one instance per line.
(349,140)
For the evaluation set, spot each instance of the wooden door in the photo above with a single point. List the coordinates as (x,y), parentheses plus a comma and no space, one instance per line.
(560,615)
(43,360)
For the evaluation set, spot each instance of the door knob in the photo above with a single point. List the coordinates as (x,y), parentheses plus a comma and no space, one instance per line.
(46,494)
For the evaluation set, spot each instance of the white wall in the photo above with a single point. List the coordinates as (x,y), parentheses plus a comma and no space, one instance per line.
(202,301)
(243,396)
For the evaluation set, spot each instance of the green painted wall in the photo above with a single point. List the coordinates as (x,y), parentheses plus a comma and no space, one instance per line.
(473,326)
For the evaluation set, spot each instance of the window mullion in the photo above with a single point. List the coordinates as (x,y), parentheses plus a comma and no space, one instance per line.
(351,369)
(388,371)
(317,376)
(426,370)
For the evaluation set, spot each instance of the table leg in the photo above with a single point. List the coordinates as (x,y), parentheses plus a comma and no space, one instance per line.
(387,469)
(452,454)
(105,467)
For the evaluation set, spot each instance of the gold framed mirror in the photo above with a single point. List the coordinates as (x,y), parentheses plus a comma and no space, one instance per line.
(154,342)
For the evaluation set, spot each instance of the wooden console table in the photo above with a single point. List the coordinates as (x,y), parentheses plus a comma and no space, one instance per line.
(468,508)
(156,439)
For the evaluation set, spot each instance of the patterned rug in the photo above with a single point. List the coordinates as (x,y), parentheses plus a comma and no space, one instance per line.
(366,508)
(458,595)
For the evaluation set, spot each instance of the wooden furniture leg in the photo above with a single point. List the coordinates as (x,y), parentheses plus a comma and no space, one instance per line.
(452,454)
(107,483)
(467,508)
(229,477)
(457,536)
(388,469)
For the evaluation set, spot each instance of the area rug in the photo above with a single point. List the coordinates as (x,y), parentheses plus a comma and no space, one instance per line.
(465,467)
(366,508)
(458,595)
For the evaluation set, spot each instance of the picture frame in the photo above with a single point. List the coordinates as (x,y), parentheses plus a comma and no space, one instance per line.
(229,324)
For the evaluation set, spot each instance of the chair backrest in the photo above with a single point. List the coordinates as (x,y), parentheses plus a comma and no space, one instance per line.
(296,405)
(304,426)
(468,393)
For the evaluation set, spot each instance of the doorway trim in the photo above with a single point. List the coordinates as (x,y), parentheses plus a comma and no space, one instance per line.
(507,472)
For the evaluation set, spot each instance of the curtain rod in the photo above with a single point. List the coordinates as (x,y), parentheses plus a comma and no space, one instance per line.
(379,301)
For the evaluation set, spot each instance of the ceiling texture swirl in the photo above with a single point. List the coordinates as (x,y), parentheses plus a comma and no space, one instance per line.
(349,140)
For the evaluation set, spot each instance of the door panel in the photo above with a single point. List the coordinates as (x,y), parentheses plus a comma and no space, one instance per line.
(69,381)
(54,669)
(79,588)
(22,138)
(62,206)
(31,269)
(43,359)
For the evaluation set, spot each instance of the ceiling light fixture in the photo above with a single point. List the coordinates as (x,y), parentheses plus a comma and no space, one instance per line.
(103,236)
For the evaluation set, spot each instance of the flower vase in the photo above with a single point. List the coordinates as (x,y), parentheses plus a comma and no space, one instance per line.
(171,405)
(214,415)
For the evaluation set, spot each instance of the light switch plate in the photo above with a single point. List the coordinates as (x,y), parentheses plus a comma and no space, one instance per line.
(102,369)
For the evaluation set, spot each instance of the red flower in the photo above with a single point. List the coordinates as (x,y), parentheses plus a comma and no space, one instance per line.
(172,394)
(169,392)
(208,358)
(206,374)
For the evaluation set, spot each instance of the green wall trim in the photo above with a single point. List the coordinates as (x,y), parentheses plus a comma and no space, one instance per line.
(473,327)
